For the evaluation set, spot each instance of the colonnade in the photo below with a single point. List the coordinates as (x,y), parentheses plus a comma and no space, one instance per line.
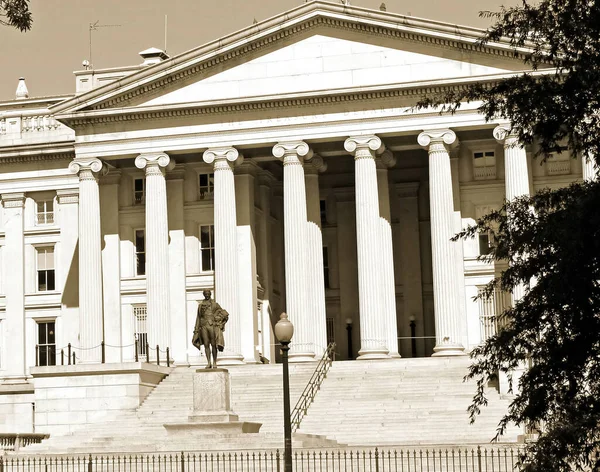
(305,293)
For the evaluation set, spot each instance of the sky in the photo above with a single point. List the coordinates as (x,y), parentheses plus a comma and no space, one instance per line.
(59,39)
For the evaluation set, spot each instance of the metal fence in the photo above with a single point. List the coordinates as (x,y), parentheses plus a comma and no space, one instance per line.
(476,459)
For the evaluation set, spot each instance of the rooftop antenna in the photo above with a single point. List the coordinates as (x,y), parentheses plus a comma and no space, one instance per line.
(94,27)
(166,33)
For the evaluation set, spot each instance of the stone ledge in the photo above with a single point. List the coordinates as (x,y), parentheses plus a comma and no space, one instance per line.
(13,389)
(98,369)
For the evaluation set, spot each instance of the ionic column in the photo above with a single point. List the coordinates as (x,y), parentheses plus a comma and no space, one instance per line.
(588,170)
(516,176)
(388,281)
(296,270)
(157,249)
(90,259)
(314,240)
(373,326)
(226,248)
(445,289)
(14,287)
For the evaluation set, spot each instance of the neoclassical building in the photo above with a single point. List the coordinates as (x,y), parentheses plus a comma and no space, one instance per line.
(282,167)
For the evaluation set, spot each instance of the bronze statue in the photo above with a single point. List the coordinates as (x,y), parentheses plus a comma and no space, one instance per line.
(208,332)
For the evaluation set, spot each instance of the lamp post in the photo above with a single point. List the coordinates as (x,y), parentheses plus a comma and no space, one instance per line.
(413,334)
(284,330)
(349,330)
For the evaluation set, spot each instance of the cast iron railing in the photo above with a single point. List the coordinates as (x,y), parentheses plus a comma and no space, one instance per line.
(475,459)
(313,386)
(47,355)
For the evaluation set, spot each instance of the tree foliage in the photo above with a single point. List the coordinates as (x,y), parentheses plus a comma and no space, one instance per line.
(553,239)
(559,98)
(16,13)
(549,241)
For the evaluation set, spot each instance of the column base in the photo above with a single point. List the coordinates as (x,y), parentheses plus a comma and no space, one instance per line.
(297,357)
(447,350)
(367,354)
(395,355)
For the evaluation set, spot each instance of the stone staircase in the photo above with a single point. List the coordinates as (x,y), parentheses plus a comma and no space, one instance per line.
(400,402)
(403,402)
(256,393)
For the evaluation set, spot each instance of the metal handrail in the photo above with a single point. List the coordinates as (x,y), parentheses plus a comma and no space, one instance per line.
(313,386)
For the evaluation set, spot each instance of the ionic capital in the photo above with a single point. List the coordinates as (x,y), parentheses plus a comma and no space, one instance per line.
(505,135)
(364,146)
(437,140)
(386,160)
(317,165)
(88,168)
(292,152)
(13,200)
(154,163)
(223,158)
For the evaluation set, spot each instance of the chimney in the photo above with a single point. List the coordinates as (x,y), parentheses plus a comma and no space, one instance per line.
(22,92)
(153,56)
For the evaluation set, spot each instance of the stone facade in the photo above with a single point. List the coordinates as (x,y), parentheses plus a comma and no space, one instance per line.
(282,167)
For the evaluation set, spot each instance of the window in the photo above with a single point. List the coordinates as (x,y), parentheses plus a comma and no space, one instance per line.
(139,191)
(323,208)
(140,316)
(45,269)
(46,350)
(45,212)
(330,330)
(207,248)
(559,163)
(485,246)
(484,165)
(207,186)
(140,252)
(326,266)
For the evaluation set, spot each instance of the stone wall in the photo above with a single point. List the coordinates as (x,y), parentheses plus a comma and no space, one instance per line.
(69,397)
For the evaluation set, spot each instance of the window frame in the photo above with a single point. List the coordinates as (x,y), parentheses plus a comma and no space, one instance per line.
(45,248)
(48,216)
(140,336)
(326,267)
(210,248)
(141,201)
(136,252)
(483,162)
(47,348)
(210,186)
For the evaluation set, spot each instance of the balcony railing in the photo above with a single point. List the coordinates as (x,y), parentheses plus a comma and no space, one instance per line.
(489,310)
(484,173)
(46,218)
(558,167)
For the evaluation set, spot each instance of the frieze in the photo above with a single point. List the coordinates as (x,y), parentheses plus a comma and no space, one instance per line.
(368,96)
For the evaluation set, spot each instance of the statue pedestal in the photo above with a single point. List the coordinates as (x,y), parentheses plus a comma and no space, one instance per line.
(212,414)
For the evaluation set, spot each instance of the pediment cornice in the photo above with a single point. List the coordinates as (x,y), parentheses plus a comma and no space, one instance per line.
(326,17)
(401,93)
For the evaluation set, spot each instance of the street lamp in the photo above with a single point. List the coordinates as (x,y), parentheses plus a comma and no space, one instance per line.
(349,330)
(284,330)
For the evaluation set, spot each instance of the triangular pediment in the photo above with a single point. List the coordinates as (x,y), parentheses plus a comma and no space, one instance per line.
(321,63)
(316,47)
